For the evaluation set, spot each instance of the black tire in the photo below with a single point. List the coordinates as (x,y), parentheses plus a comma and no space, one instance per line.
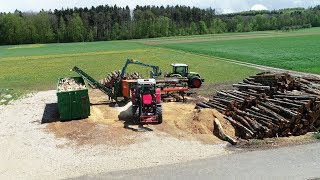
(136,115)
(159,113)
(195,82)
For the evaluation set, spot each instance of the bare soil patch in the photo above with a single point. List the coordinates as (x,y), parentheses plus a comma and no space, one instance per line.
(84,132)
(104,126)
(34,145)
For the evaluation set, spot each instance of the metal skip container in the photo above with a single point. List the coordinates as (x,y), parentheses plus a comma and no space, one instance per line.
(73,98)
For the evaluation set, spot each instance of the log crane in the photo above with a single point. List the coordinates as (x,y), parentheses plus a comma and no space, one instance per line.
(156,72)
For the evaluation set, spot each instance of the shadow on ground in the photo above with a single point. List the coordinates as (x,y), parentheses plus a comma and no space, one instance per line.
(110,103)
(129,123)
(50,113)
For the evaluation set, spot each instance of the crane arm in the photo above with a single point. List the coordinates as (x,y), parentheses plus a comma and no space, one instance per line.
(155,69)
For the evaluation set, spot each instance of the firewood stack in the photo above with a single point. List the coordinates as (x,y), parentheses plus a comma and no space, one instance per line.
(113,77)
(270,105)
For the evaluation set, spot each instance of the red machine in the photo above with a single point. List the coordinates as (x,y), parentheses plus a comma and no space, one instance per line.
(146,102)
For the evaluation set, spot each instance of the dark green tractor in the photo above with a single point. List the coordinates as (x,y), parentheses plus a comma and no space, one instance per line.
(182,70)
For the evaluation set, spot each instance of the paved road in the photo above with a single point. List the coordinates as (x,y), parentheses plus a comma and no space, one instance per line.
(297,162)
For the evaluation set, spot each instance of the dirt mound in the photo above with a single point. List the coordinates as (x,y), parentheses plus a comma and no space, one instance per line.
(184,122)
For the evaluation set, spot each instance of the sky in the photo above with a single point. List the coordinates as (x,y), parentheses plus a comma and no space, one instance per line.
(223,6)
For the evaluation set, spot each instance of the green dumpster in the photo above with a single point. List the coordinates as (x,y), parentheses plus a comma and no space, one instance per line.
(73,98)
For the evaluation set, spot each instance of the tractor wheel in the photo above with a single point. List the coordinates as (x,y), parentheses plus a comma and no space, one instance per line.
(195,82)
(159,113)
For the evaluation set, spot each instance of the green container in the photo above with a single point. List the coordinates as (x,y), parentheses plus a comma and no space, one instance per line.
(73,104)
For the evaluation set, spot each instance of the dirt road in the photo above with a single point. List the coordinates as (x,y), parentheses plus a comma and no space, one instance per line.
(30,150)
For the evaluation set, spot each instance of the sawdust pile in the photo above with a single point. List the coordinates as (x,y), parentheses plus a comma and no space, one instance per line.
(102,126)
(85,132)
(184,122)
(107,124)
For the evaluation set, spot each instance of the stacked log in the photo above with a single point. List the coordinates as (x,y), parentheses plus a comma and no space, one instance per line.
(114,77)
(270,105)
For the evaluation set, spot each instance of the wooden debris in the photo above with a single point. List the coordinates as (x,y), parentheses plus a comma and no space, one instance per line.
(114,76)
(219,132)
(270,105)
(69,84)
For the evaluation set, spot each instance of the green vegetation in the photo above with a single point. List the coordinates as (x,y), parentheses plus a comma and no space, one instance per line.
(7,95)
(316,135)
(121,23)
(292,51)
(37,67)
(66,48)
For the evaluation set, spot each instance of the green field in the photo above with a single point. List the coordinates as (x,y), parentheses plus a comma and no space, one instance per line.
(291,51)
(37,67)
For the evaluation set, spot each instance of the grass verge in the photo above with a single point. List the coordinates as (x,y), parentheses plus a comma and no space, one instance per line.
(8,95)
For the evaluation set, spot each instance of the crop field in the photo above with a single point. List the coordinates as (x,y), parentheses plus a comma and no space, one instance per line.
(297,50)
(37,67)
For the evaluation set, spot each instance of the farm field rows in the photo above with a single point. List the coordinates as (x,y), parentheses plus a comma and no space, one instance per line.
(291,51)
(37,67)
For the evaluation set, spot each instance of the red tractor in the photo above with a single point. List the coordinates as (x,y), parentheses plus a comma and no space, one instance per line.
(146,102)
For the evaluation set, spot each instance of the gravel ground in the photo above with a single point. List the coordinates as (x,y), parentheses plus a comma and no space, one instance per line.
(28,150)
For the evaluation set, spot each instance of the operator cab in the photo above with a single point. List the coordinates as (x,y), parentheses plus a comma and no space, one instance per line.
(147,86)
(181,69)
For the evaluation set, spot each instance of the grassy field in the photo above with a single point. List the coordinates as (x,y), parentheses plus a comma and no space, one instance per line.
(298,50)
(37,67)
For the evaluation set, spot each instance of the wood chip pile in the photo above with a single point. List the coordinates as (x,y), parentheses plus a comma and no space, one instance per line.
(270,105)
(69,84)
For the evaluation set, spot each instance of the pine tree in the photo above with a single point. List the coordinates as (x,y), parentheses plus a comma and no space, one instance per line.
(75,29)
(193,28)
(203,28)
(62,30)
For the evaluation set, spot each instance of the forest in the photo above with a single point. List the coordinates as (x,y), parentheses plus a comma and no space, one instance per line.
(103,23)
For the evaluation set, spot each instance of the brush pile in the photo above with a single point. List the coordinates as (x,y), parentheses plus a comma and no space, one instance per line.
(270,105)
(114,77)
(69,84)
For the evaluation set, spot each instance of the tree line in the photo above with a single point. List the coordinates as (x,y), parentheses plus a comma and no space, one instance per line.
(119,23)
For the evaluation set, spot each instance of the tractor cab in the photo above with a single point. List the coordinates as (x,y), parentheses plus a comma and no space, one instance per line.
(181,69)
(146,102)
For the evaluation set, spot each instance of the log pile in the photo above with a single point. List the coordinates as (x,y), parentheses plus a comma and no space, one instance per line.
(270,105)
(114,76)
